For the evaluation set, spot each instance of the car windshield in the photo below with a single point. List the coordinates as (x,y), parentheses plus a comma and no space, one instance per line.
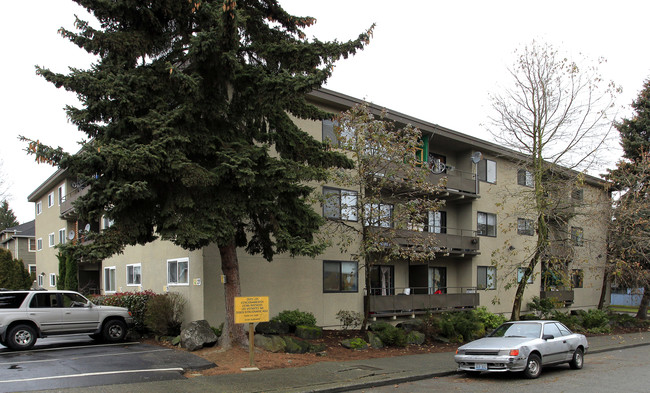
(528,330)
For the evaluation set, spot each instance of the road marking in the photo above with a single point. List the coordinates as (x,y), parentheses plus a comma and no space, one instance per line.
(85,357)
(64,348)
(93,374)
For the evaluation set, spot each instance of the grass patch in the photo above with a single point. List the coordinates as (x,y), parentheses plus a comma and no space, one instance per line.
(633,309)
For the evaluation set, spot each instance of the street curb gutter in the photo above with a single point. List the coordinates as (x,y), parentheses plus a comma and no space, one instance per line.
(419,377)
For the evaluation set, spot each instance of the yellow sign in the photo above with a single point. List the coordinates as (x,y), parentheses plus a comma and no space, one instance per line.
(251,309)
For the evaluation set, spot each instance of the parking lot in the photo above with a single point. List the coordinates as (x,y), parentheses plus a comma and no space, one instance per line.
(78,361)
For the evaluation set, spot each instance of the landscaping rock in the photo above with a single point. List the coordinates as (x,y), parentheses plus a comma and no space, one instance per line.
(198,334)
(354,343)
(272,327)
(270,343)
(415,338)
(374,341)
(295,345)
(309,332)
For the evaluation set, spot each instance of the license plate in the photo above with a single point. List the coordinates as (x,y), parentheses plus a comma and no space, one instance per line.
(480,366)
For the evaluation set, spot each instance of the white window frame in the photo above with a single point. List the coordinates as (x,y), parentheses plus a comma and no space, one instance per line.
(31,242)
(30,267)
(111,277)
(62,236)
(488,225)
(131,275)
(61,191)
(50,199)
(107,222)
(39,207)
(39,279)
(177,262)
(52,280)
(39,244)
(51,239)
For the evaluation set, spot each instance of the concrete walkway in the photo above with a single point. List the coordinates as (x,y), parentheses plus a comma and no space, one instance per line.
(340,376)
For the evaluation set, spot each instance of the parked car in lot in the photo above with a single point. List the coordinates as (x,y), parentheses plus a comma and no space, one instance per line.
(28,315)
(523,346)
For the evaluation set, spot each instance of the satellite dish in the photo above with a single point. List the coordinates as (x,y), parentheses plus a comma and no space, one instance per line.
(476,157)
(87,228)
(71,234)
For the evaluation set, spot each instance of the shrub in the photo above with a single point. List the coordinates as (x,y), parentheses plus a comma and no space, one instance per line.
(295,318)
(349,319)
(217,330)
(489,320)
(393,336)
(595,321)
(358,343)
(570,321)
(460,326)
(136,302)
(164,314)
(379,326)
(544,307)
(13,274)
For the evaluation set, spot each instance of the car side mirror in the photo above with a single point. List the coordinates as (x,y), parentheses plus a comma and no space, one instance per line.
(548,337)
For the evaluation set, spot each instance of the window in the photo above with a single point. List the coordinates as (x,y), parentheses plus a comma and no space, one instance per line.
(61,192)
(525,178)
(44,300)
(51,239)
(62,236)
(134,274)
(340,204)
(340,276)
(437,280)
(109,279)
(39,207)
(177,271)
(32,271)
(378,215)
(52,280)
(487,171)
(577,194)
(39,244)
(50,200)
(382,280)
(525,227)
(437,222)
(107,222)
(486,224)
(577,236)
(40,280)
(31,243)
(328,133)
(552,329)
(520,275)
(12,300)
(577,278)
(486,277)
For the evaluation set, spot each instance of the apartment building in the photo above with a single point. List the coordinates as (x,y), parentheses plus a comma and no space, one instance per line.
(22,244)
(484,231)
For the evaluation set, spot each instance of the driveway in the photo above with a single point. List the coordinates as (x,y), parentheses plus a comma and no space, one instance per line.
(77,361)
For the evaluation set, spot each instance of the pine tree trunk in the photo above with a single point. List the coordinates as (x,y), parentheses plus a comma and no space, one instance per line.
(643,307)
(232,333)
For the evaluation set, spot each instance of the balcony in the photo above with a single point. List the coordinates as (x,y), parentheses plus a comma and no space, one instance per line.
(66,209)
(460,184)
(563,295)
(560,249)
(452,298)
(456,242)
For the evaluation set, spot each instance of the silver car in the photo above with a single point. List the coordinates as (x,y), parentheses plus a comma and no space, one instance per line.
(523,346)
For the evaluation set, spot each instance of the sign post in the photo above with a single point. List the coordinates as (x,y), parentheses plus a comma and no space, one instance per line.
(250,310)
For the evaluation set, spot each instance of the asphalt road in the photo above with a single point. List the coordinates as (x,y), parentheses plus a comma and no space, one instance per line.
(615,371)
(78,361)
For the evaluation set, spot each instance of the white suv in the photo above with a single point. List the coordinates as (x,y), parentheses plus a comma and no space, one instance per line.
(28,315)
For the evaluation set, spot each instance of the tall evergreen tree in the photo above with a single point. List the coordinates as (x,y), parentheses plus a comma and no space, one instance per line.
(7,216)
(190,138)
(629,245)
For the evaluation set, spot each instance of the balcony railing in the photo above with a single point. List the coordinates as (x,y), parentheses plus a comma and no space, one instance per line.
(443,299)
(66,208)
(457,180)
(563,295)
(453,241)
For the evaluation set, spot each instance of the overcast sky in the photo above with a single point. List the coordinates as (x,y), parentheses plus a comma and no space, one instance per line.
(435,60)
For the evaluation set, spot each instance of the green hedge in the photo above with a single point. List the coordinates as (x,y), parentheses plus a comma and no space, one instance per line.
(136,302)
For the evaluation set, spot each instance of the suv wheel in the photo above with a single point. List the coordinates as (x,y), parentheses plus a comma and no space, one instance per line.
(21,337)
(114,331)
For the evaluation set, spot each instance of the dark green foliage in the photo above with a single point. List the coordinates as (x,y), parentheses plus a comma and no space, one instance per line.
(461,326)
(295,318)
(635,132)
(309,332)
(217,330)
(136,302)
(67,278)
(358,343)
(164,314)
(594,321)
(489,320)
(379,326)
(543,307)
(392,336)
(570,321)
(60,280)
(13,274)
(7,216)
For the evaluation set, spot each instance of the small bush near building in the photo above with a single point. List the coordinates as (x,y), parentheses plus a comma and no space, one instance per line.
(164,314)
(295,318)
(136,302)
(490,321)
(13,274)
(392,336)
(349,319)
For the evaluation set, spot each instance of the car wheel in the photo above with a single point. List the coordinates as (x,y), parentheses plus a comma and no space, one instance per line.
(533,367)
(21,337)
(578,359)
(114,331)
